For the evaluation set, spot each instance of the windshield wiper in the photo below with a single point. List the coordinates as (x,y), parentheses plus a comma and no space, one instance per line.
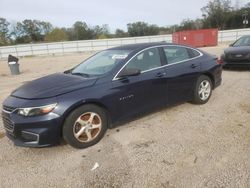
(80,74)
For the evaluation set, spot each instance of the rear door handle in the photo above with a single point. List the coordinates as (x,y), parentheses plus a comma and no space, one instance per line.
(161,74)
(193,66)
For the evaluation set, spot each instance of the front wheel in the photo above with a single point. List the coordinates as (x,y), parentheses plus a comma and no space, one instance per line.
(203,90)
(85,126)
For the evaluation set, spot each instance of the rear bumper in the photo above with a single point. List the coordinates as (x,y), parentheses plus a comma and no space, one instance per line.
(217,74)
(217,83)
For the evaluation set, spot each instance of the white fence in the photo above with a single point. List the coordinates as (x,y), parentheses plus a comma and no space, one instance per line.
(75,46)
(96,45)
(232,35)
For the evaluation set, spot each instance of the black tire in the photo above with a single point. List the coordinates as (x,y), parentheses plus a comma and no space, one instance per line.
(70,124)
(197,98)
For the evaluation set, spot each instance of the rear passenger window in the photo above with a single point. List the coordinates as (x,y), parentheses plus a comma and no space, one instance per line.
(175,54)
(193,53)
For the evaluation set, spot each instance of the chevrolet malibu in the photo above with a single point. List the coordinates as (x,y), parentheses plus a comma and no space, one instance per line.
(80,104)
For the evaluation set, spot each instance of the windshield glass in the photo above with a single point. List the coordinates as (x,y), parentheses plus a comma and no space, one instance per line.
(100,63)
(244,41)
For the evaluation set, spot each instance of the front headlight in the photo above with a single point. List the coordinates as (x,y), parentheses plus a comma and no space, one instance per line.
(34,111)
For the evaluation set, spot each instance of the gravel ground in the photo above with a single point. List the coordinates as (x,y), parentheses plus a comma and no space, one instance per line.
(183,146)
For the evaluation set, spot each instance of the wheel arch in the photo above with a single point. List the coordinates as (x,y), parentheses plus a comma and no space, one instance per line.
(91,102)
(209,75)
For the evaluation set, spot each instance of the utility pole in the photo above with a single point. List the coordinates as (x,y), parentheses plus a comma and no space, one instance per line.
(245,20)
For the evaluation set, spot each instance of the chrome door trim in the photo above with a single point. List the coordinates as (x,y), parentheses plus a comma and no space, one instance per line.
(201,54)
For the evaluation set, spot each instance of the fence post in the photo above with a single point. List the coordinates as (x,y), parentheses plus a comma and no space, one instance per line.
(47,46)
(62,48)
(31,47)
(77,47)
(92,46)
(237,34)
(16,51)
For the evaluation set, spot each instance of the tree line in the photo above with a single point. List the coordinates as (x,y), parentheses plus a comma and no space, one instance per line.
(216,14)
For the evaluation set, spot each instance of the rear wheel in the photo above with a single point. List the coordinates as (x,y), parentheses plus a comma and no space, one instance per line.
(203,90)
(85,126)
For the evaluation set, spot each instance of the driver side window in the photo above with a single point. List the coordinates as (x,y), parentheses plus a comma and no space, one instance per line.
(146,60)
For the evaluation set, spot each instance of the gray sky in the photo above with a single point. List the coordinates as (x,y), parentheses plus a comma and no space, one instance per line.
(115,13)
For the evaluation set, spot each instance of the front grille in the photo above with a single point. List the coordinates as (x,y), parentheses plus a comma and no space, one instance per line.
(237,56)
(7,123)
(8,108)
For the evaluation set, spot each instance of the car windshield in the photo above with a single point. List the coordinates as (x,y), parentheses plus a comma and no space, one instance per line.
(244,41)
(100,63)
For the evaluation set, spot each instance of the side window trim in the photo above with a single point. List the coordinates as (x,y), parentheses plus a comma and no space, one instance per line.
(187,48)
(160,46)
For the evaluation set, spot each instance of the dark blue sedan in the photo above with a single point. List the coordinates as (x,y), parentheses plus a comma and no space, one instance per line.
(238,54)
(80,104)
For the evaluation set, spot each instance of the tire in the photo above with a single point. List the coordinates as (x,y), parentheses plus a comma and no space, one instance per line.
(85,126)
(202,98)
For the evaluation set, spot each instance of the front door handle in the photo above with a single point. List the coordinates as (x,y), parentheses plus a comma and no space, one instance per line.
(193,66)
(161,74)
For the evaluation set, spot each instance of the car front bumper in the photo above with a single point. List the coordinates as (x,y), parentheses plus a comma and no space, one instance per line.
(236,64)
(38,131)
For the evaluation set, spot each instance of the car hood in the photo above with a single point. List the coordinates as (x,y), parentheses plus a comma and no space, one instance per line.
(238,50)
(52,85)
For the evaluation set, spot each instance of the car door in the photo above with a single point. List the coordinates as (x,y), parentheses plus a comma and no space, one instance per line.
(137,93)
(183,69)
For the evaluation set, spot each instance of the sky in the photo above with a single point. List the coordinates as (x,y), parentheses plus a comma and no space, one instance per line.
(115,13)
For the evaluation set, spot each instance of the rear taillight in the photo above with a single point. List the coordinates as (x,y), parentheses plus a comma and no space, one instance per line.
(219,61)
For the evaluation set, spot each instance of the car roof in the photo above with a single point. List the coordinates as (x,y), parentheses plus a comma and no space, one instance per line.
(133,47)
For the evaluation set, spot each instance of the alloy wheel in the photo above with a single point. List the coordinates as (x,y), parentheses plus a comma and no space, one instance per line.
(204,90)
(87,127)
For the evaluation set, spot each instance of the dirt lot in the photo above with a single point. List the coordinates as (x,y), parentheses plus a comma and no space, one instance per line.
(183,146)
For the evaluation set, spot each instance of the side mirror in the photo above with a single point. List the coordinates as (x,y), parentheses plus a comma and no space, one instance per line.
(230,45)
(129,72)
(67,71)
